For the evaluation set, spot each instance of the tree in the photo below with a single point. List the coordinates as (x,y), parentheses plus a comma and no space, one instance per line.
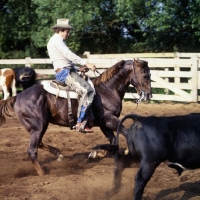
(16,24)
(100,26)
(170,26)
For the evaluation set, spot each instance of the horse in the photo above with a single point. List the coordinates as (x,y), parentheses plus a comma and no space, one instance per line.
(35,108)
(7,81)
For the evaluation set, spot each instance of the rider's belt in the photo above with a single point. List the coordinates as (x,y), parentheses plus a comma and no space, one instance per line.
(60,69)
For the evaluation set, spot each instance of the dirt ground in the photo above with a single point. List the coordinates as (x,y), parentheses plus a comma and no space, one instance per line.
(76,177)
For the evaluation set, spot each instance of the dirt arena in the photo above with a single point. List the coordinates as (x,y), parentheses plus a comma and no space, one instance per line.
(76,177)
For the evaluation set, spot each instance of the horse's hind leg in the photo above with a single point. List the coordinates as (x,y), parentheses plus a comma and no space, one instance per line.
(33,151)
(52,150)
(35,121)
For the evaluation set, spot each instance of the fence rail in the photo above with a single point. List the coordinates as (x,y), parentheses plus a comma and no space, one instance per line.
(176,73)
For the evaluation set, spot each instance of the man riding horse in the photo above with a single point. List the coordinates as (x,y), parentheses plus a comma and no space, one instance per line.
(63,60)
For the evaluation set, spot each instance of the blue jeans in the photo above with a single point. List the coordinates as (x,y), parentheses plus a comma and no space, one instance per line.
(62,76)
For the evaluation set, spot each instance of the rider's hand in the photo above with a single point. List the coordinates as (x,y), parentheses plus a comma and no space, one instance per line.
(83,69)
(91,66)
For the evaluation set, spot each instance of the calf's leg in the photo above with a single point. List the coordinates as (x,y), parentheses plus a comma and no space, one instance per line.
(142,177)
(122,161)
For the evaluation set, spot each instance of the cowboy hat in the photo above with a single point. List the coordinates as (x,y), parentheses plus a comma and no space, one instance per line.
(62,23)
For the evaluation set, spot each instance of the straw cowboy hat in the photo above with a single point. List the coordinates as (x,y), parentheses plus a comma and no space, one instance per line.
(62,23)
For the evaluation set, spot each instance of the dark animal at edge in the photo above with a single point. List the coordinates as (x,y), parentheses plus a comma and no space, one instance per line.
(36,108)
(152,140)
(17,77)
(25,77)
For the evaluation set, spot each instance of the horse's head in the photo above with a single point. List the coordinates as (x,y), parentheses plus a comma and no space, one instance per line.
(140,79)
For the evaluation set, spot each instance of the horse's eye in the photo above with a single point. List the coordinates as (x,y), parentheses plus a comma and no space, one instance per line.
(147,76)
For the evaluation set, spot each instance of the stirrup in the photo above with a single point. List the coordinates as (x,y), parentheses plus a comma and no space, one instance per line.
(80,127)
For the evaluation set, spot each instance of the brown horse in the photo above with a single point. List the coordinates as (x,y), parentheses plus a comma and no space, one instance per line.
(7,81)
(36,108)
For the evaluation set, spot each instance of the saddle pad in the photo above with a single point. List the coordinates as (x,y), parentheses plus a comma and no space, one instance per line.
(50,87)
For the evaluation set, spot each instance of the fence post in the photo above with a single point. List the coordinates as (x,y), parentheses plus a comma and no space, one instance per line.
(194,70)
(28,62)
(176,69)
(87,54)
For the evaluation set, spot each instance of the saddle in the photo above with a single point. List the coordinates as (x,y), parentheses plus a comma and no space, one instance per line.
(61,89)
(60,83)
(63,86)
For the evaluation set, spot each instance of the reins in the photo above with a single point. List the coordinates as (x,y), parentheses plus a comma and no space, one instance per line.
(136,99)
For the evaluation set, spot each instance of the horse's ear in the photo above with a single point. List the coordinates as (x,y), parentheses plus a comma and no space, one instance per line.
(140,63)
(136,60)
(121,63)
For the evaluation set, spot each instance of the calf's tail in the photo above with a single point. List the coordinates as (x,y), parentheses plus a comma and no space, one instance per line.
(115,147)
(129,116)
(7,109)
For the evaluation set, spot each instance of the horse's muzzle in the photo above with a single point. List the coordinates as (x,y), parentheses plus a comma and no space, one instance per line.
(144,96)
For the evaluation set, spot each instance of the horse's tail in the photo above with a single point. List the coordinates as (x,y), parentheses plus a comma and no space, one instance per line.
(7,109)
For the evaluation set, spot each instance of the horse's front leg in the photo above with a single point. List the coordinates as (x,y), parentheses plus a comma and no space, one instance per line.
(109,134)
(108,128)
(102,153)
(53,150)
(111,123)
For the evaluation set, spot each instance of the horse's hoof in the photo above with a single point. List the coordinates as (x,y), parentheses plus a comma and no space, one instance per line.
(40,173)
(92,154)
(60,157)
(126,152)
(97,154)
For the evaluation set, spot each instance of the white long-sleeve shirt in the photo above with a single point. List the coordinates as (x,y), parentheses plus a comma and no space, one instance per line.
(60,55)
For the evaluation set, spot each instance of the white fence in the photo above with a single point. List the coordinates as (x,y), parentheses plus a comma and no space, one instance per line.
(176,73)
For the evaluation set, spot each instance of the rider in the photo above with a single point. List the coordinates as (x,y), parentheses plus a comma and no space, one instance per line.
(63,60)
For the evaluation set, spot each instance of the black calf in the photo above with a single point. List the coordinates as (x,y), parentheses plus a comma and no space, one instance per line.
(25,77)
(173,140)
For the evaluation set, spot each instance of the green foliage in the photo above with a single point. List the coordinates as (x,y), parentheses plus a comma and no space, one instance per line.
(100,26)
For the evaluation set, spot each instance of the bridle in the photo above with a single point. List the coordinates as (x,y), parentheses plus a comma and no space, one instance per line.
(141,91)
(139,85)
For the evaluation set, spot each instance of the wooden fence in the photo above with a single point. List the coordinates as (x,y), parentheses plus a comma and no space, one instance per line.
(176,74)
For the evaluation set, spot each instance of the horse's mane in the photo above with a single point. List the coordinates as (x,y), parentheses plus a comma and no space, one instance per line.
(109,73)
